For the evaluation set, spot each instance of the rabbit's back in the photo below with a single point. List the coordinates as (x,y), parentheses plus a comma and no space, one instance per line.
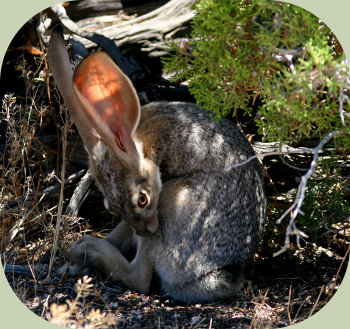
(182,138)
(209,219)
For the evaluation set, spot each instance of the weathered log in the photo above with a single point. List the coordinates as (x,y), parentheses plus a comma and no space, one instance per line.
(149,32)
(89,8)
(107,44)
(156,88)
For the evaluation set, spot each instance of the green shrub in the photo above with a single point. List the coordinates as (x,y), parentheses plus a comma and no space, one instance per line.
(325,202)
(283,65)
(236,54)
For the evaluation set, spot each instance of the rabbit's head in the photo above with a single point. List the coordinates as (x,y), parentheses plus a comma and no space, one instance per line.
(130,182)
(105,108)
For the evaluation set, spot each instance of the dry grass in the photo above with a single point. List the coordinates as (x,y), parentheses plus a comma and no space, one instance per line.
(30,171)
(70,313)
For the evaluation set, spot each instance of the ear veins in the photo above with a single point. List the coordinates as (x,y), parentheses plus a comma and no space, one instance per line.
(119,142)
(101,86)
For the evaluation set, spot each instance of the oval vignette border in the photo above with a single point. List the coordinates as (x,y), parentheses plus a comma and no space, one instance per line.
(14,13)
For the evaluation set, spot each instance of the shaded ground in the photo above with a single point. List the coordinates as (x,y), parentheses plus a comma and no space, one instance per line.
(278,292)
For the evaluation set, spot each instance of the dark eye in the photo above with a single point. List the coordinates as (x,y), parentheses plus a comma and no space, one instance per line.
(143,200)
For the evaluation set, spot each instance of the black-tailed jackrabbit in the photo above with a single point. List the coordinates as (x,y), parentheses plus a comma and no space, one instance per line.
(161,170)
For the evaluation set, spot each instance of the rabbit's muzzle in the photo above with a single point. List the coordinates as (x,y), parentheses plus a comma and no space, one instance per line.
(145,227)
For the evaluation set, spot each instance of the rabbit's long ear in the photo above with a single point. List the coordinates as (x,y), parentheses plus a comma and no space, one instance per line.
(61,69)
(109,100)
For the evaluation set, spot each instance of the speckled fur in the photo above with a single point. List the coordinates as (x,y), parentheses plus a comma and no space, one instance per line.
(208,219)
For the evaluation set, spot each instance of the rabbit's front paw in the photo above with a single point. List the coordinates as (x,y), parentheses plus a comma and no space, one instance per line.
(86,253)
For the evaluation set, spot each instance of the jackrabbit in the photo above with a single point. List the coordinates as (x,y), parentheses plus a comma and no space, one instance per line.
(161,170)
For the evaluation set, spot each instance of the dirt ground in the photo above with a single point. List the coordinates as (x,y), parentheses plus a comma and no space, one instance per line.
(278,292)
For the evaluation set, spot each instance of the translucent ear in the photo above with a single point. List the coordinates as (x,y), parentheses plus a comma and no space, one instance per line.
(110,102)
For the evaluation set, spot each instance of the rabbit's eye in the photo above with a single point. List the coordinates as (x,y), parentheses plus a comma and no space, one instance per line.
(143,200)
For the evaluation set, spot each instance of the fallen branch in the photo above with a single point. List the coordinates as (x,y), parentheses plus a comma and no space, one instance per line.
(11,205)
(150,31)
(80,194)
(276,150)
(295,208)
(25,270)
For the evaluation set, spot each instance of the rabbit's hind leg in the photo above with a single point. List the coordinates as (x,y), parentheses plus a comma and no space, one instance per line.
(218,284)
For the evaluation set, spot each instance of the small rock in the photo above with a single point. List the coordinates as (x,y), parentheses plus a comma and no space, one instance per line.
(137,314)
(195,319)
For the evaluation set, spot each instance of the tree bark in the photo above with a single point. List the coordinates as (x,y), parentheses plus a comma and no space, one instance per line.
(149,32)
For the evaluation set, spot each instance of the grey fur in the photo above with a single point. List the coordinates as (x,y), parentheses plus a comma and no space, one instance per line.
(217,221)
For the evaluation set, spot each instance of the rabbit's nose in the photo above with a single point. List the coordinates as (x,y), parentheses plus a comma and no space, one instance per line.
(152,224)
(140,228)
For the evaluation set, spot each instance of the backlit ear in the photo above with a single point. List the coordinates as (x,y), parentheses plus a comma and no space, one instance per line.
(109,100)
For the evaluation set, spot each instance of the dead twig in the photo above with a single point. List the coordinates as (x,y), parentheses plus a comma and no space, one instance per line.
(316,302)
(65,130)
(289,306)
(295,208)
(339,268)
